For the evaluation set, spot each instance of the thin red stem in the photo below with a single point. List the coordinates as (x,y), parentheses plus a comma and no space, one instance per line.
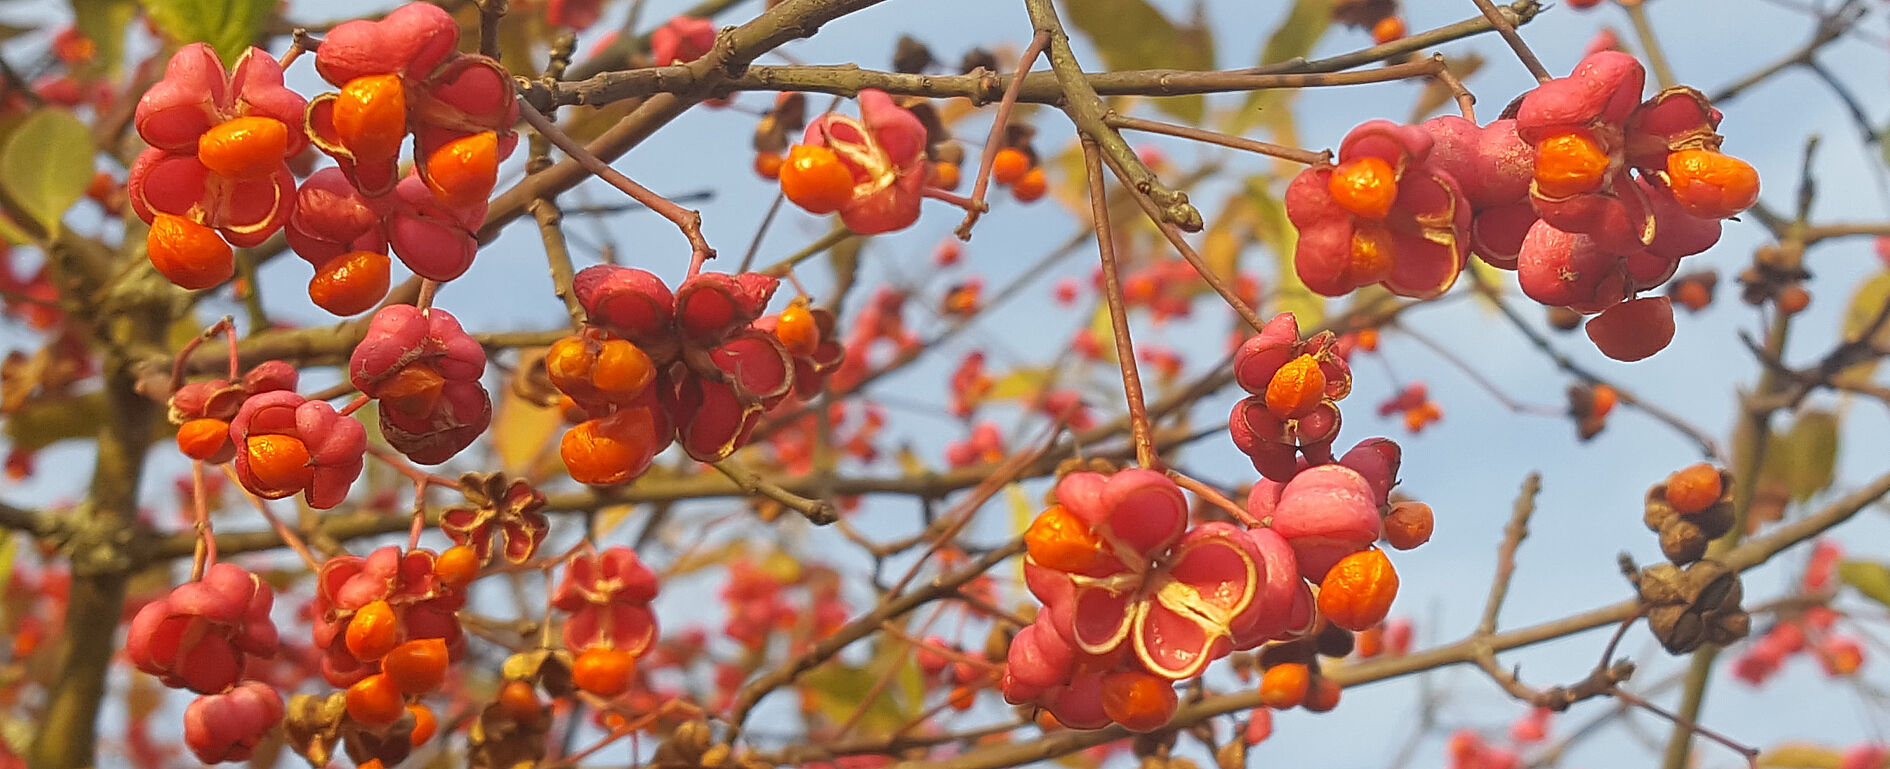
(1139,429)
(992,145)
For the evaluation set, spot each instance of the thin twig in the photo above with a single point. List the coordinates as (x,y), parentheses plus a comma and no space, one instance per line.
(1139,430)
(1503,27)
(1513,535)
(687,220)
(992,144)
(1255,146)
(817,511)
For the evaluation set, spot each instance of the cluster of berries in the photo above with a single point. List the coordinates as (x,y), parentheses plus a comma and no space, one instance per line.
(698,366)
(1590,193)
(1135,598)
(282,443)
(1812,631)
(217,175)
(610,624)
(201,637)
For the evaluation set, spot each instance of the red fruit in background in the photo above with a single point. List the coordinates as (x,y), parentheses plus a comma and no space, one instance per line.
(228,726)
(1633,330)
(683,39)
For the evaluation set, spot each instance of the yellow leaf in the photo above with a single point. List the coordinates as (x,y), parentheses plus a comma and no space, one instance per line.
(521,431)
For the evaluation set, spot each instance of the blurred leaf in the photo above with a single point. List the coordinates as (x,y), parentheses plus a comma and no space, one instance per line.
(1870,578)
(1132,34)
(1082,759)
(47,164)
(43,423)
(1435,94)
(104,23)
(521,431)
(18,735)
(1487,275)
(9,547)
(1802,460)
(1800,755)
(609,518)
(839,691)
(1294,38)
(1024,382)
(1866,302)
(229,26)
(844,260)
(1104,332)
(1229,235)
(703,558)
(1273,228)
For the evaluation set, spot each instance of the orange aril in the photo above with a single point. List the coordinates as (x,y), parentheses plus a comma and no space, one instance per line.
(1694,488)
(797,330)
(1060,541)
(203,438)
(1009,166)
(604,671)
(1358,591)
(417,667)
(462,172)
(1284,685)
(244,148)
(1366,186)
(189,254)
(373,631)
(1141,702)
(279,461)
(1569,164)
(375,702)
(814,179)
(1296,388)
(351,283)
(371,116)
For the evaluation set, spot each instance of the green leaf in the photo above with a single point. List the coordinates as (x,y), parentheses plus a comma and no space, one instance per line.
(8,548)
(1866,302)
(47,164)
(1869,577)
(1131,34)
(1302,28)
(104,23)
(1812,446)
(229,26)
(1290,294)
(839,691)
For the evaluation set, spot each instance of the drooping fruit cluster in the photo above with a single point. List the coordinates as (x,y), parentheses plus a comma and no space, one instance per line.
(608,598)
(1016,167)
(1690,510)
(699,366)
(868,169)
(424,369)
(216,174)
(1384,214)
(1136,599)
(1590,193)
(1811,632)
(200,637)
(399,75)
(282,443)
(1294,387)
